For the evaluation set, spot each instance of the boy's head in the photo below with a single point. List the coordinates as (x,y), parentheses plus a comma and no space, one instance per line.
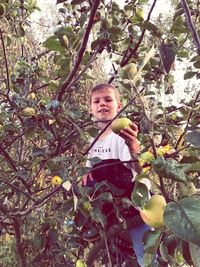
(104,101)
(104,86)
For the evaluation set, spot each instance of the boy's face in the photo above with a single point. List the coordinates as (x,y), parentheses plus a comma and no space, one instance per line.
(104,104)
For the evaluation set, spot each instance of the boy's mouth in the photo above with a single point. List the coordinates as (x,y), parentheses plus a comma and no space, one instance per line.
(102,111)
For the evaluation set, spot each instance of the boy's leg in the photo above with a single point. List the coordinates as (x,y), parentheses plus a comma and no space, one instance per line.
(137,240)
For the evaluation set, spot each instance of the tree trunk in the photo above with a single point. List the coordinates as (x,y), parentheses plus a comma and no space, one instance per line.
(19,248)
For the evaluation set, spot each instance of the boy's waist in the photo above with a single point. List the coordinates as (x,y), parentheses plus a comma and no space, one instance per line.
(115,172)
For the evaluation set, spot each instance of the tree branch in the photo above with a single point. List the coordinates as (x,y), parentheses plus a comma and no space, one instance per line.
(17,188)
(125,60)
(81,51)
(37,204)
(6,63)
(8,158)
(191,25)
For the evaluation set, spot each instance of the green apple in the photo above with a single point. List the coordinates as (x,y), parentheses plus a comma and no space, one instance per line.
(119,124)
(128,72)
(140,13)
(80,263)
(152,213)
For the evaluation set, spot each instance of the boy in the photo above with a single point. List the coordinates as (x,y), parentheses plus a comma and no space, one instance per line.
(111,147)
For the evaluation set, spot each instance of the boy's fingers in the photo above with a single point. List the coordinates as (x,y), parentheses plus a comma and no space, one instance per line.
(85,179)
(128,132)
(134,127)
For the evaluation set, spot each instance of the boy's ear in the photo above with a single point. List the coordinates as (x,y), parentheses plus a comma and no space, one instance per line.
(119,106)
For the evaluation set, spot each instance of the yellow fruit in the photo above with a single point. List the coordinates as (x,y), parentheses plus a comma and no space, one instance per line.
(140,13)
(87,206)
(152,213)
(146,157)
(31,96)
(164,149)
(128,72)
(56,180)
(2,10)
(28,112)
(80,263)
(119,124)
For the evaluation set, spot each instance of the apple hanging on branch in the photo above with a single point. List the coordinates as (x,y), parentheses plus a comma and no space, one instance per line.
(152,212)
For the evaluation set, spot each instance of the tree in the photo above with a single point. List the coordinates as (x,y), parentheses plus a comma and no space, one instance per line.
(43,125)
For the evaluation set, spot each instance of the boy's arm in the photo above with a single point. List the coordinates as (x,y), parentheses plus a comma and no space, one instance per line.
(129,134)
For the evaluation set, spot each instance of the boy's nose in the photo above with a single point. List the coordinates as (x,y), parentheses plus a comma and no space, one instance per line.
(102,103)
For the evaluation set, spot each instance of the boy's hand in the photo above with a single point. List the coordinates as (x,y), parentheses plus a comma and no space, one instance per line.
(129,134)
(85,179)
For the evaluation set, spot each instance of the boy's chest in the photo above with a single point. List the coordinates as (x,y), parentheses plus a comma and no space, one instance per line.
(104,149)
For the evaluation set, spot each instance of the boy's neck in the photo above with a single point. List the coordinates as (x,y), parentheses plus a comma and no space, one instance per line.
(106,132)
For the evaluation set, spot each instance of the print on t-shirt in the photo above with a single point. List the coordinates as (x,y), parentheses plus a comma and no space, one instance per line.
(100,151)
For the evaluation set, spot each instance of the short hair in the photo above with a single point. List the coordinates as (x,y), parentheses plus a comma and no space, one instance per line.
(101,86)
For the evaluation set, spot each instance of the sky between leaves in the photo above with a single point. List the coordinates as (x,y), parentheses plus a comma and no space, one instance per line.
(43,25)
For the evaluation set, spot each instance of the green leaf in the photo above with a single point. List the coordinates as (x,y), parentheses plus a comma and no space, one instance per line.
(170,169)
(178,26)
(20,31)
(39,241)
(115,29)
(140,194)
(151,241)
(183,218)
(76,2)
(165,254)
(189,74)
(193,138)
(151,27)
(194,167)
(183,54)
(53,44)
(195,254)
(106,196)
(197,64)
(98,216)
(60,1)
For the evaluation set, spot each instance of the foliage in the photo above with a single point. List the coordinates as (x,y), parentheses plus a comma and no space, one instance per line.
(45,125)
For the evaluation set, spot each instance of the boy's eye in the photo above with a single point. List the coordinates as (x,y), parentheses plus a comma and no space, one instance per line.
(96,101)
(108,100)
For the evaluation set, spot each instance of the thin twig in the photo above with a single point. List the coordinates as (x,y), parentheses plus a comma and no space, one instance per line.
(134,50)
(17,189)
(6,63)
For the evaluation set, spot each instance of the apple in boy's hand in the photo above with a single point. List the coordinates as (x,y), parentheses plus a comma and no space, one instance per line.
(152,213)
(119,124)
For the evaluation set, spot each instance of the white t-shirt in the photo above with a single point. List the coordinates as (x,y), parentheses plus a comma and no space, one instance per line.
(111,147)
